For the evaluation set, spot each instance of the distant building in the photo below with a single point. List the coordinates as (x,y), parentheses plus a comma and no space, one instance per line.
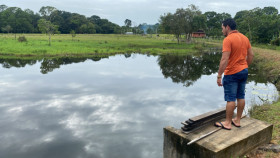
(199,33)
(129,33)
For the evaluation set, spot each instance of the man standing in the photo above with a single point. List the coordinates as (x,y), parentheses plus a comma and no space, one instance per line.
(237,55)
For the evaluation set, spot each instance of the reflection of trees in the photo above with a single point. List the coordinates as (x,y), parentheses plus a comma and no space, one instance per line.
(188,69)
(256,74)
(127,55)
(47,65)
(181,69)
(8,63)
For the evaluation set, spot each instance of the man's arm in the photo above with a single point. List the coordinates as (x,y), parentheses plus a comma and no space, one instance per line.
(223,63)
(250,56)
(222,67)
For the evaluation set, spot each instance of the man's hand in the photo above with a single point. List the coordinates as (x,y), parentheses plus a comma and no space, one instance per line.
(219,81)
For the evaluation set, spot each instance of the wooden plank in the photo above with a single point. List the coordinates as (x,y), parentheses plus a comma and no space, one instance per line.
(201,120)
(208,114)
(203,123)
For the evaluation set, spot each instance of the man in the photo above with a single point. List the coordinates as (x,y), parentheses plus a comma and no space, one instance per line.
(237,55)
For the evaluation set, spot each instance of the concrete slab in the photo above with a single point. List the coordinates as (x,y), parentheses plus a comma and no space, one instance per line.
(221,144)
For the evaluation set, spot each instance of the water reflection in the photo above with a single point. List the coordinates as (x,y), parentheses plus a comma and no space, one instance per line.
(47,64)
(188,69)
(115,107)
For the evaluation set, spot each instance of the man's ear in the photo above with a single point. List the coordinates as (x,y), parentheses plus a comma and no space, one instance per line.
(227,27)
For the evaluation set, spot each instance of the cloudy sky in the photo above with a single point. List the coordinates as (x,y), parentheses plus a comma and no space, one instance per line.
(139,11)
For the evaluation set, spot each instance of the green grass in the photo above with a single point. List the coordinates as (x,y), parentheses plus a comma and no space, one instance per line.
(83,44)
(269,113)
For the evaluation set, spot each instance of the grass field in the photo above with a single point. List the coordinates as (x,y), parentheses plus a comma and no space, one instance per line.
(89,44)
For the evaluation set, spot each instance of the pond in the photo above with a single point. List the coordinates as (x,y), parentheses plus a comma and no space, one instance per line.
(111,107)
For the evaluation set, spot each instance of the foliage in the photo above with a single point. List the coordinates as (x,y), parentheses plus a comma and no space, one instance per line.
(275,42)
(127,22)
(149,30)
(260,25)
(48,28)
(268,113)
(73,34)
(183,21)
(103,26)
(214,21)
(22,39)
(47,12)
(27,21)
(7,29)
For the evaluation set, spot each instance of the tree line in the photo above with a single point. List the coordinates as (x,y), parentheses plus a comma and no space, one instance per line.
(259,25)
(16,20)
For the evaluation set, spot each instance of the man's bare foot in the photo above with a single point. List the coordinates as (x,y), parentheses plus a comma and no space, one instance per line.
(223,125)
(235,123)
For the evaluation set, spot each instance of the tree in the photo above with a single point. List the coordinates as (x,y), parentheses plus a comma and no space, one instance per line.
(214,21)
(7,29)
(47,11)
(170,24)
(3,7)
(150,30)
(27,21)
(183,21)
(73,34)
(188,21)
(11,15)
(127,23)
(260,25)
(76,21)
(48,28)
(269,10)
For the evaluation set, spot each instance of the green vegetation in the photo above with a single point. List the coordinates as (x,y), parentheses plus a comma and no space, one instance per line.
(269,113)
(16,20)
(259,25)
(65,45)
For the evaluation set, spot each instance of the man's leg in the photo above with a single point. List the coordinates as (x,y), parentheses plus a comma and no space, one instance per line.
(229,113)
(240,108)
(241,96)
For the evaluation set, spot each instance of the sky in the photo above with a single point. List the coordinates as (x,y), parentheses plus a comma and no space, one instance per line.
(139,11)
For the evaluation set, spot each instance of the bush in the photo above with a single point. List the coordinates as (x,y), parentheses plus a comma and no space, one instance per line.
(22,39)
(275,42)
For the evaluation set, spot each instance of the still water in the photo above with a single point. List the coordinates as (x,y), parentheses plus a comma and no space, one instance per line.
(114,107)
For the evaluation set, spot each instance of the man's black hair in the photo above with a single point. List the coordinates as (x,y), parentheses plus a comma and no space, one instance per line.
(229,22)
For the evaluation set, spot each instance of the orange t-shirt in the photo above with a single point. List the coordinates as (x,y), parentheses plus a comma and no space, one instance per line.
(237,44)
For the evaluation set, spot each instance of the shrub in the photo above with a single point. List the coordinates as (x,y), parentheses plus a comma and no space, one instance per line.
(22,39)
(275,42)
